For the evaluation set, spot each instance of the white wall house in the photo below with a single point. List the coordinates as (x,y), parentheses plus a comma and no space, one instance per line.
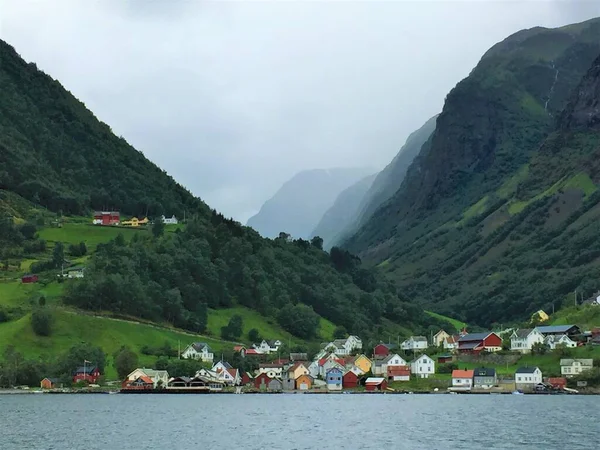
(523,340)
(451,343)
(414,343)
(571,367)
(267,347)
(462,379)
(422,367)
(439,338)
(169,221)
(394,360)
(563,340)
(200,351)
(529,376)
(157,376)
(313,369)
(344,347)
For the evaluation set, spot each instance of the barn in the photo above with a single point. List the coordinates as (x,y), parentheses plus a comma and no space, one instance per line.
(375,384)
(350,380)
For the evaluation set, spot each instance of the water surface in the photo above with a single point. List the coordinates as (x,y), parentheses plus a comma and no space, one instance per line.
(321,422)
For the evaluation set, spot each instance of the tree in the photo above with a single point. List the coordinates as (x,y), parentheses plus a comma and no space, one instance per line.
(234,328)
(78,249)
(158,228)
(300,320)
(41,321)
(539,348)
(254,335)
(126,361)
(317,242)
(75,357)
(58,254)
(28,230)
(340,333)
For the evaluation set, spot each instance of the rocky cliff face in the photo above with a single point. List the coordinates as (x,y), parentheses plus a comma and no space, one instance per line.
(583,111)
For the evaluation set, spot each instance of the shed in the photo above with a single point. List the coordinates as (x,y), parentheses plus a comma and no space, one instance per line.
(262,381)
(29,278)
(275,385)
(350,380)
(442,359)
(557,382)
(376,384)
(304,382)
(50,383)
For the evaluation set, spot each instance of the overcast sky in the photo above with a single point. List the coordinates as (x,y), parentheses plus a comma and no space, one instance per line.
(233,98)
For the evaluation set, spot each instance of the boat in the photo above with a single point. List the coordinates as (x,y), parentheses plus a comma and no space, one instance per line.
(517,393)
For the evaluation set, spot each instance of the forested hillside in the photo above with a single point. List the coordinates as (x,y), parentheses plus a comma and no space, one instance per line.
(55,154)
(496,215)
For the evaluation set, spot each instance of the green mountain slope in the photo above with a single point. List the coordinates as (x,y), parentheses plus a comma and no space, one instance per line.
(485,226)
(343,212)
(53,151)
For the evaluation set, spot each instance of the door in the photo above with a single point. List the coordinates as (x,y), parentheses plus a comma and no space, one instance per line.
(303,386)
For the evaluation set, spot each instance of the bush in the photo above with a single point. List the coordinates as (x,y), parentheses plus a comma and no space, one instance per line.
(41,321)
(78,249)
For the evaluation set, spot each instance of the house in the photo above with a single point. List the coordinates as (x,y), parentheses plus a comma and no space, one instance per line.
(439,338)
(261,381)
(484,378)
(172,221)
(89,373)
(252,352)
(451,343)
(375,384)
(313,368)
(230,377)
(398,373)
(477,342)
(275,384)
(304,382)
(333,378)
(526,378)
(179,382)
(106,218)
(569,330)
(298,357)
(158,377)
(200,351)
(220,366)
(443,359)
(557,382)
(462,379)
(414,343)
(349,380)
(524,339)
(327,364)
(552,341)
(240,349)
(383,349)
(297,369)
(571,367)
(271,369)
(423,366)
(245,378)
(361,362)
(344,347)
(539,316)
(394,360)
(75,272)
(141,383)
(29,278)
(133,222)
(50,383)
(267,347)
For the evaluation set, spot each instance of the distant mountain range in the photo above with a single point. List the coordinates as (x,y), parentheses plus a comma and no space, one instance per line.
(298,206)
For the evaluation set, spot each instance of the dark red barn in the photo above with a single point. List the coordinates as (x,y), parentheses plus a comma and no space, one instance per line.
(477,342)
(376,384)
(350,380)
(29,278)
(383,349)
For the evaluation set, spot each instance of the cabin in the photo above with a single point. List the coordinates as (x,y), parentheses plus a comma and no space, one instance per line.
(375,384)
(50,383)
(89,373)
(29,278)
(261,381)
(557,382)
(383,349)
(333,378)
(484,378)
(349,380)
(462,379)
(476,342)
(106,218)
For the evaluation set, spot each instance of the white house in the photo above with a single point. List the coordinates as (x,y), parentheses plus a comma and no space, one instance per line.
(344,347)
(528,377)
(422,367)
(462,380)
(439,338)
(523,340)
(415,343)
(451,343)
(157,376)
(272,370)
(266,347)
(571,367)
(313,369)
(325,365)
(172,221)
(394,360)
(561,340)
(198,350)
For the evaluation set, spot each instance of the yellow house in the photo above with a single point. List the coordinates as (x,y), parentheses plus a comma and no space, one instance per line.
(539,316)
(133,222)
(297,370)
(363,363)
(144,221)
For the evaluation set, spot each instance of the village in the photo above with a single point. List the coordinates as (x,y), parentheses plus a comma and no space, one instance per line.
(342,365)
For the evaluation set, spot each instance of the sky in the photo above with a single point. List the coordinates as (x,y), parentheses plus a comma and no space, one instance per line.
(234,98)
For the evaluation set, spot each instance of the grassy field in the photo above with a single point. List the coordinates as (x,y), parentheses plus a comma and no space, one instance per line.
(15,293)
(586,317)
(268,328)
(455,322)
(74,233)
(110,334)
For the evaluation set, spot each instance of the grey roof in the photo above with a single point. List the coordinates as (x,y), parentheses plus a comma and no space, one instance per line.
(419,338)
(388,358)
(339,342)
(555,328)
(87,369)
(52,380)
(198,346)
(299,356)
(475,336)
(484,372)
(526,369)
(523,332)
(469,345)
(583,362)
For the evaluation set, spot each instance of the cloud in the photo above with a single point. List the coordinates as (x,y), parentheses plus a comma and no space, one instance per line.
(234,98)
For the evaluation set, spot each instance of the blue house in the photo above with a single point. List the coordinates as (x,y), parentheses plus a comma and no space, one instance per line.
(334,379)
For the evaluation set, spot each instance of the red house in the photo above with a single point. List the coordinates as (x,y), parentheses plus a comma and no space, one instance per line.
(106,218)
(558,382)
(383,349)
(245,378)
(350,380)
(477,342)
(262,381)
(88,373)
(29,278)
(376,384)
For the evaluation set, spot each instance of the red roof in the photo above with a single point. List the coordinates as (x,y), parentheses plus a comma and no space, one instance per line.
(398,371)
(232,372)
(146,379)
(237,348)
(252,351)
(462,373)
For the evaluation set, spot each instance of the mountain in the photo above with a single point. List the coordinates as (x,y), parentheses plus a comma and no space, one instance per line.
(299,204)
(58,162)
(487,221)
(343,212)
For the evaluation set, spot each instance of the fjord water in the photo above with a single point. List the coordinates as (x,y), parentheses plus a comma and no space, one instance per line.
(298,422)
